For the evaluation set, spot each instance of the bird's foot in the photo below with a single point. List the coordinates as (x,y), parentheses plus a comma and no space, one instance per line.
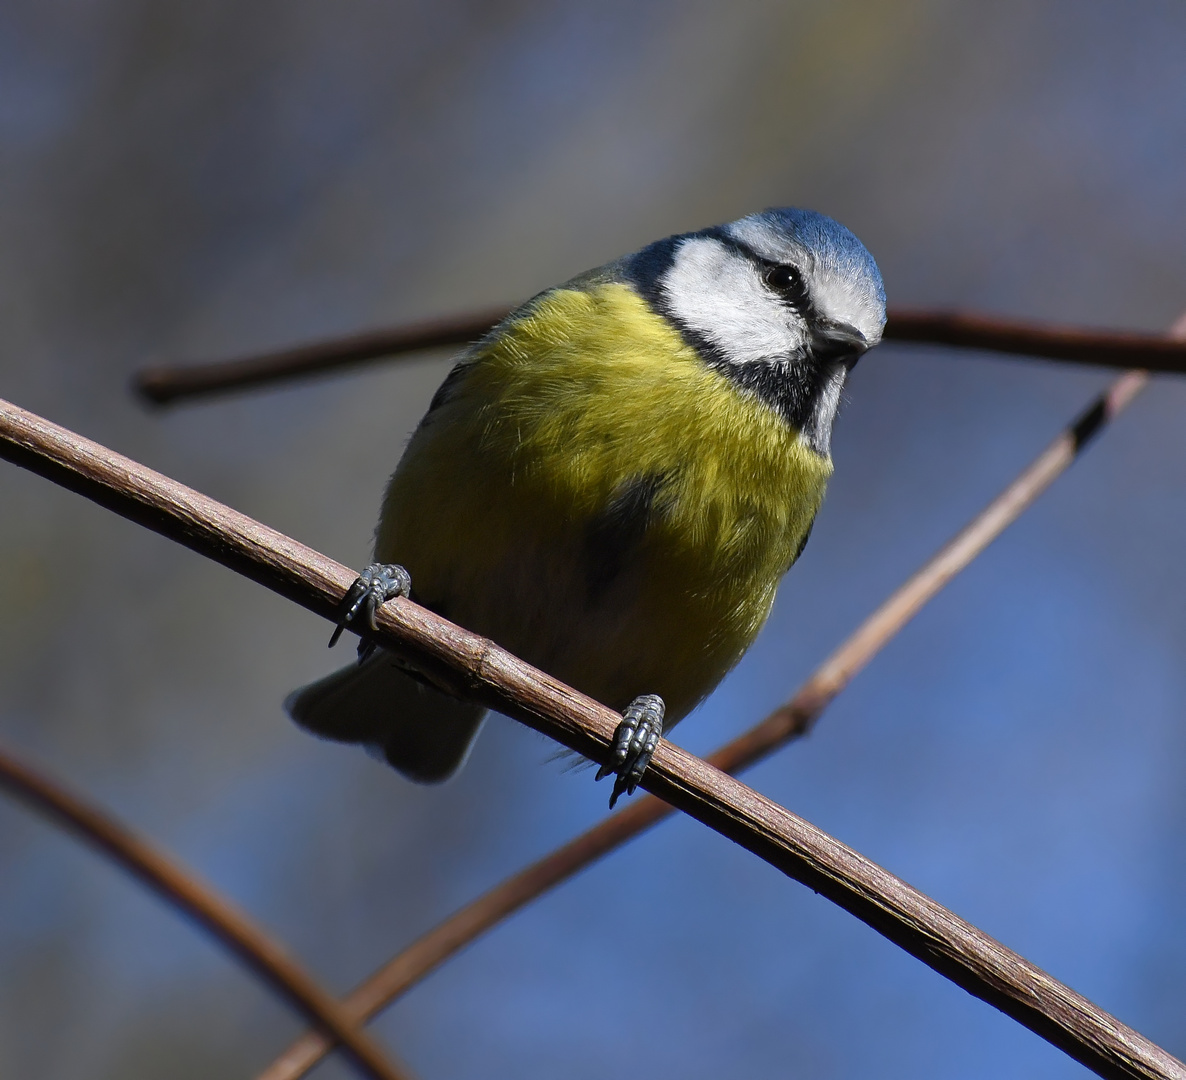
(634,742)
(377,584)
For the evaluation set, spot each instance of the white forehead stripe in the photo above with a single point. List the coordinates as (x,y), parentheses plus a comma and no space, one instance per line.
(765,240)
(838,292)
(717,292)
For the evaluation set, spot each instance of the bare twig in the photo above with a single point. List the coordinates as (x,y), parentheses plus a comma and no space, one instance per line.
(789,722)
(1106,348)
(182,888)
(479,669)
(161,385)
(1072,344)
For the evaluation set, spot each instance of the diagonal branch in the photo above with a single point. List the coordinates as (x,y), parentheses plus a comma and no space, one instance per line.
(479,669)
(181,888)
(789,722)
(1104,348)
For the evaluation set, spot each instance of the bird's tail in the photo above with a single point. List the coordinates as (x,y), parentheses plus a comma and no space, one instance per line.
(423,733)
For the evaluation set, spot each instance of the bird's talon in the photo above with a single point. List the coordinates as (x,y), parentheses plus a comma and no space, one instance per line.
(377,584)
(635,740)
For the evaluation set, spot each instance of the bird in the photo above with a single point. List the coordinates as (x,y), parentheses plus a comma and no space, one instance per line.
(612,482)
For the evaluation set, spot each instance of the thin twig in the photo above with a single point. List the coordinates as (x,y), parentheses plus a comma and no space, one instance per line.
(1017,337)
(186,892)
(161,385)
(478,669)
(789,722)
(1105,348)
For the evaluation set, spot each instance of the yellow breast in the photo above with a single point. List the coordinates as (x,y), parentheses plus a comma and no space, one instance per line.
(498,504)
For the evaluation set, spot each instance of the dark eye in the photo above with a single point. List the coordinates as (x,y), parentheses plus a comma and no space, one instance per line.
(787,281)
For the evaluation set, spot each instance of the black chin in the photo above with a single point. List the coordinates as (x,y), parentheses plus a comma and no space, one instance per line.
(791,386)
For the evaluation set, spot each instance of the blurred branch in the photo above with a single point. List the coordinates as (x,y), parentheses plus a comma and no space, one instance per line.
(1075,345)
(181,888)
(162,385)
(479,669)
(789,722)
(1105,348)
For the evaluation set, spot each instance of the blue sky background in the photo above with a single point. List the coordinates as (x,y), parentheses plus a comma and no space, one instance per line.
(191,180)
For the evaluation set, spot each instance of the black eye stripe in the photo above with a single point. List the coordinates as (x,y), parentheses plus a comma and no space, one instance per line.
(787,281)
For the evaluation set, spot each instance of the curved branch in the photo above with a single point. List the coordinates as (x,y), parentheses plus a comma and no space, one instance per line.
(791,721)
(1105,348)
(477,668)
(181,888)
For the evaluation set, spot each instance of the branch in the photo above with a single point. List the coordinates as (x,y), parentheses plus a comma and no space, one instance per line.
(1071,344)
(1104,348)
(162,385)
(181,888)
(791,721)
(479,669)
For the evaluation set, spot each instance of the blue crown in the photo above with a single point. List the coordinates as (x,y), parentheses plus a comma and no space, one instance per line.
(826,239)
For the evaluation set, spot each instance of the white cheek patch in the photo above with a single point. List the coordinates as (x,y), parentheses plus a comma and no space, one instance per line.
(718,293)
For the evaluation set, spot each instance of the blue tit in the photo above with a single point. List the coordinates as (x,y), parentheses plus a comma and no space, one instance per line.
(612,482)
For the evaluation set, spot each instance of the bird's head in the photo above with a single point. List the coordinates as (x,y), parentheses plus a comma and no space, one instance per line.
(784,302)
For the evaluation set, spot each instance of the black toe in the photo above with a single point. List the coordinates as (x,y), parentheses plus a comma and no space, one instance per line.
(635,741)
(377,584)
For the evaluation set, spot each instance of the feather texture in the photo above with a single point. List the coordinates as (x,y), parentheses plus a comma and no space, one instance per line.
(584,404)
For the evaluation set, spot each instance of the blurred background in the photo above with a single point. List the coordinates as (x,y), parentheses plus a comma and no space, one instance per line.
(193,180)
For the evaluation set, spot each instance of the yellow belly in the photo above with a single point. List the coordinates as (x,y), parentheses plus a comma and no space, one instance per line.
(491,506)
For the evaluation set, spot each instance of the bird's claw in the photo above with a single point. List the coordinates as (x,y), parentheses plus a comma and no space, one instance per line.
(377,584)
(634,742)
